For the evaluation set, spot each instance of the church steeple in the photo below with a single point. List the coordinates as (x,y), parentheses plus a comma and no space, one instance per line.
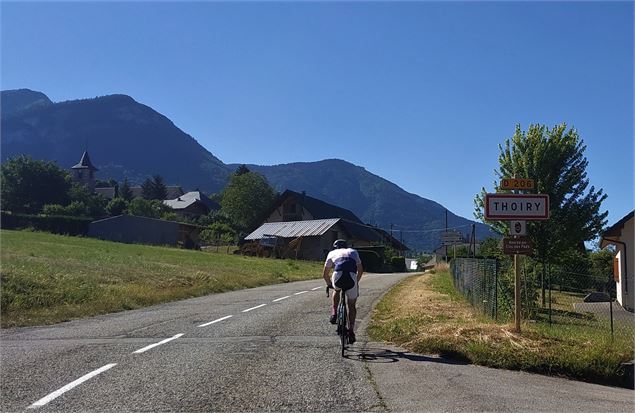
(84,172)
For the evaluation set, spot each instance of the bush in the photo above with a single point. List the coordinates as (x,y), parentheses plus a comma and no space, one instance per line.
(398,264)
(371,260)
(50,223)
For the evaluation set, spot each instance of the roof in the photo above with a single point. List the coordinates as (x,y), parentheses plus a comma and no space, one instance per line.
(107,192)
(174,191)
(615,230)
(191,198)
(317,208)
(393,241)
(85,163)
(293,229)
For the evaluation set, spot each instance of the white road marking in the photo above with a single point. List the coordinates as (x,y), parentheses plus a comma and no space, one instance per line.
(216,321)
(253,308)
(146,348)
(69,386)
(316,288)
(281,298)
(301,292)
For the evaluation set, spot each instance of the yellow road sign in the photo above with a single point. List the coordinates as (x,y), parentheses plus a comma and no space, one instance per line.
(517,184)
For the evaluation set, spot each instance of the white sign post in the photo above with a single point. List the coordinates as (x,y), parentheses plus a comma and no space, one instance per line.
(517,208)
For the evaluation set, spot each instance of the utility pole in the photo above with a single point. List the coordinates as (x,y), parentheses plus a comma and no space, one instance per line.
(446,231)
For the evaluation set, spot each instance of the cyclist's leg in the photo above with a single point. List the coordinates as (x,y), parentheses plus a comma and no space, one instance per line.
(351,299)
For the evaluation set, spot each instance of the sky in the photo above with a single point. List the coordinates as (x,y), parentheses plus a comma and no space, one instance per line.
(419,93)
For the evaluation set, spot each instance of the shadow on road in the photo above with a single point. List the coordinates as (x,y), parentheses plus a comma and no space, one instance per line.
(383,355)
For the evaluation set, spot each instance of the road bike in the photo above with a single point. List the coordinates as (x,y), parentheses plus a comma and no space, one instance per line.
(342,314)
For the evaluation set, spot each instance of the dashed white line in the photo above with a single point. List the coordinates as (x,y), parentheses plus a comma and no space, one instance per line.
(281,298)
(301,292)
(146,348)
(70,385)
(253,308)
(216,321)
(316,288)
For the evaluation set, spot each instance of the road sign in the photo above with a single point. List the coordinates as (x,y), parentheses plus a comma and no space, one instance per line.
(517,227)
(451,238)
(517,184)
(519,245)
(516,206)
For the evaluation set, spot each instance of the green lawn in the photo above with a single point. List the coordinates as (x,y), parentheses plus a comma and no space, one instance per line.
(48,278)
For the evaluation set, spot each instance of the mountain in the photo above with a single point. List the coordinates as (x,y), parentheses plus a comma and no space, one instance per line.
(128,139)
(372,198)
(124,138)
(16,100)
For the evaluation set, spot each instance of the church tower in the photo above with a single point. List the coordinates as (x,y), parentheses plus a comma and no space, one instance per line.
(84,172)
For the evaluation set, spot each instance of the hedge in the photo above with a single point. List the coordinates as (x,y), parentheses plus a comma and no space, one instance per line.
(66,225)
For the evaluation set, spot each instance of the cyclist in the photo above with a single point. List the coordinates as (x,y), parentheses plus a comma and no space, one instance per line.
(347,272)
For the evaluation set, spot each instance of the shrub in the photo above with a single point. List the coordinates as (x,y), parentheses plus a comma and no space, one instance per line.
(398,264)
(371,260)
(50,223)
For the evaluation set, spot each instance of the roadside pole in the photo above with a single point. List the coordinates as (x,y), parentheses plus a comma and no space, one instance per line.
(517,312)
(517,208)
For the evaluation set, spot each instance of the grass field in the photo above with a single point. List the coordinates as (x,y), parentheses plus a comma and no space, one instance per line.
(425,314)
(48,278)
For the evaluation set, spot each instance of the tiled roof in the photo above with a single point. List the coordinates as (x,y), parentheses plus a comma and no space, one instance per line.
(108,192)
(319,209)
(293,229)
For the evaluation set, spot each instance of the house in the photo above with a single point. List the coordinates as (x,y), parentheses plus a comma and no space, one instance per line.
(621,235)
(141,230)
(192,204)
(310,226)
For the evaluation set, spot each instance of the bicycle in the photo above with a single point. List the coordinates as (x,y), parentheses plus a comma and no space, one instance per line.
(342,314)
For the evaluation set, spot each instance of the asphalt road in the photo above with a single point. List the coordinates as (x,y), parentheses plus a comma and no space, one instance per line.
(263,349)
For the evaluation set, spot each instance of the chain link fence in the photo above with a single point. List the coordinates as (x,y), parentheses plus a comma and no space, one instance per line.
(554,295)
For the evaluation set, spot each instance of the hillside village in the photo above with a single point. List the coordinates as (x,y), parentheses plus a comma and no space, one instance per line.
(292,225)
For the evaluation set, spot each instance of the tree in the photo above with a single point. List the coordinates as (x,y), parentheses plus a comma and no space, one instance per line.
(117,206)
(246,198)
(125,192)
(147,208)
(242,169)
(28,184)
(95,205)
(554,159)
(154,188)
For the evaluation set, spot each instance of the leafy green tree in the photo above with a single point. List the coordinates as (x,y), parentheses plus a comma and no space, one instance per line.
(147,208)
(95,205)
(117,206)
(154,188)
(246,198)
(218,233)
(28,184)
(554,159)
(124,191)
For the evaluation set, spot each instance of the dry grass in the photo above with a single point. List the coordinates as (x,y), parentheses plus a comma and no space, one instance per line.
(426,315)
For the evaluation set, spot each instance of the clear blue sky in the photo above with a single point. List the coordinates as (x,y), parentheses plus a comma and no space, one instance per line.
(420,93)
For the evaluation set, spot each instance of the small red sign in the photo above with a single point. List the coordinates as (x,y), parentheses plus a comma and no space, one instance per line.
(518,245)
